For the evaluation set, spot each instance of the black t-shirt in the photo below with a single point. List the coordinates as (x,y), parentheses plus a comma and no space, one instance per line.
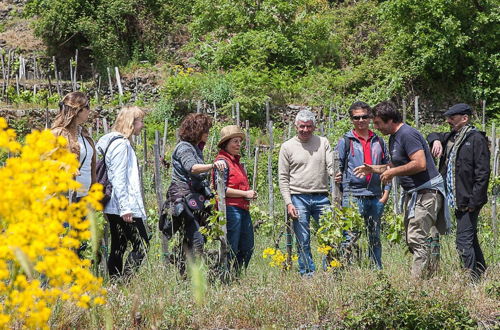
(404,143)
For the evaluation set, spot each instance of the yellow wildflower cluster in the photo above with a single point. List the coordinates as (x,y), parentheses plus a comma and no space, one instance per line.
(324,249)
(278,258)
(179,69)
(38,263)
(334,264)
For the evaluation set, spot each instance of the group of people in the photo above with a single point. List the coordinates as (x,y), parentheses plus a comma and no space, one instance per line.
(367,167)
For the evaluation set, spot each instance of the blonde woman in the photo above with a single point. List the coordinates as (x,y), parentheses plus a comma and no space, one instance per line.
(74,111)
(125,210)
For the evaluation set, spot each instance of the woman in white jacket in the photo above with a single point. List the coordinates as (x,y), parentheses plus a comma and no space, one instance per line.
(125,210)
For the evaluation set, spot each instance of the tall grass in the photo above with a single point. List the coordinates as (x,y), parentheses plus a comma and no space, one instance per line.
(357,296)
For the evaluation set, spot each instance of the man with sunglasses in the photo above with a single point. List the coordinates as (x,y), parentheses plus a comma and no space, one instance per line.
(357,147)
(464,163)
(426,216)
(304,166)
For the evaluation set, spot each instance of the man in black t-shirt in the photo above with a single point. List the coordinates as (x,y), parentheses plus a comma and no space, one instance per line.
(412,163)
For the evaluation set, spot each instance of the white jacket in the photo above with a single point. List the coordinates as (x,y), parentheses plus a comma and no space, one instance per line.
(123,173)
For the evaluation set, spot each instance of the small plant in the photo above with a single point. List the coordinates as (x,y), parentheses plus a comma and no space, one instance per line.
(212,230)
(277,258)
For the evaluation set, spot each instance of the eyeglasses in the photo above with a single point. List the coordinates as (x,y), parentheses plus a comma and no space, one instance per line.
(360,117)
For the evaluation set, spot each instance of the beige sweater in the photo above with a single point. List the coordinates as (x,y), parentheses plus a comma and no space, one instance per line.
(304,167)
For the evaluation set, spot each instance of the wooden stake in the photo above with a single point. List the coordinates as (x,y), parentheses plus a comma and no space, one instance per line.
(119,83)
(164,141)
(484,115)
(255,168)
(247,138)
(74,71)
(238,114)
(336,194)
(145,146)
(268,110)
(198,106)
(17,84)
(221,201)
(270,170)
(105,125)
(416,113)
(110,81)
(404,111)
(494,148)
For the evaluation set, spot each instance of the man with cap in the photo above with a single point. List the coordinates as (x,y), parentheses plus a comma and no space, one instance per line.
(305,163)
(464,162)
(238,195)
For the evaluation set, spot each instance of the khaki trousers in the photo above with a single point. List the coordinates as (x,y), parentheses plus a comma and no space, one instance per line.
(422,235)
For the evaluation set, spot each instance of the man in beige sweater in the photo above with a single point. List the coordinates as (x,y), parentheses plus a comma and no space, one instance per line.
(305,163)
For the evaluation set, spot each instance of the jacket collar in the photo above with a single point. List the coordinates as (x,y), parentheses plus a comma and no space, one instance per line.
(226,154)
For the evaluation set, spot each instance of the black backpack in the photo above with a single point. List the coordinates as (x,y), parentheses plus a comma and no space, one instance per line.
(102,173)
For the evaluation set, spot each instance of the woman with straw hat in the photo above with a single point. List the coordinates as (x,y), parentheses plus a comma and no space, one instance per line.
(238,195)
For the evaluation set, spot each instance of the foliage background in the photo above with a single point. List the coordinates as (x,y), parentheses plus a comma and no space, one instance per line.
(315,52)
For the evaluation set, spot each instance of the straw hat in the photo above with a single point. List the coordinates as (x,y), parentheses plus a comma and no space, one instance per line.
(229,132)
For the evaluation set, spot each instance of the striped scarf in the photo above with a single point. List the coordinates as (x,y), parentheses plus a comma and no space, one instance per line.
(450,170)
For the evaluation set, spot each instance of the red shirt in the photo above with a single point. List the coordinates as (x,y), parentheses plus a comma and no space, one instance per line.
(367,149)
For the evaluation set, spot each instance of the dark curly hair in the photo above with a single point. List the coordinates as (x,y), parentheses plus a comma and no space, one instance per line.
(194,126)
(387,110)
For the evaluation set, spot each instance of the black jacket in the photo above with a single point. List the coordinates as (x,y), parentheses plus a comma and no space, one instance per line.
(472,172)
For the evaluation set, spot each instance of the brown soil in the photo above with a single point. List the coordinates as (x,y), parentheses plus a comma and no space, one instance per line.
(18,34)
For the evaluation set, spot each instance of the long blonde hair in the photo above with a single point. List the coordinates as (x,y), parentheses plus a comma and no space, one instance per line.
(124,122)
(69,107)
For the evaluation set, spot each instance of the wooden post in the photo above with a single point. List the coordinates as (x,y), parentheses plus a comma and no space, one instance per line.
(71,74)
(270,169)
(416,113)
(289,240)
(164,140)
(110,82)
(322,129)
(221,201)
(59,85)
(215,112)
(198,106)
(105,125)
(255,168)
(74,71)
(119,83)
(247,138)
(232,112)
(484,115)
(238,114)
(395,196)
(50,85)
(157,171)
(17,84)
(3,75)
(404,111)
(268,109)
(145,146)
(97,126)
(494,148)
(336,194)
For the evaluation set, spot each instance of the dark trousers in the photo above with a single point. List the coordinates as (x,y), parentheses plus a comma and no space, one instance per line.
(240,237)
(468,243)
(193,239)
(121,233)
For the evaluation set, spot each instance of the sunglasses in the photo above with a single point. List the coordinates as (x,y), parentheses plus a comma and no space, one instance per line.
(360,117)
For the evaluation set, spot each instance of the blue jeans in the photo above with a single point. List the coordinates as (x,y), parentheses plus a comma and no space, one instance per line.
(371,210)
(307,205)
(240,237)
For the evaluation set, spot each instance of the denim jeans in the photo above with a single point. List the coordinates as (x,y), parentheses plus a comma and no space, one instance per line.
(240,237)
(307,205)
(371,210)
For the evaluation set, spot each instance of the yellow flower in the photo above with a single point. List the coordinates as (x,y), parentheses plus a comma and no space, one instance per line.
(34,244)
(335,264)
(324,249)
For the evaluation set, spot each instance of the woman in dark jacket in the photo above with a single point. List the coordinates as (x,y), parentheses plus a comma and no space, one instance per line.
(238,195)
(189,176)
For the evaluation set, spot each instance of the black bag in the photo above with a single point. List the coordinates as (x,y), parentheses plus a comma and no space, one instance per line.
(102,173)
